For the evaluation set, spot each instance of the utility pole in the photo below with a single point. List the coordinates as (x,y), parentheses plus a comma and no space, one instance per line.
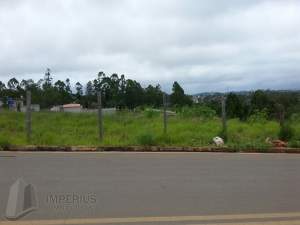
(28,116)
(165,112)
(100,118)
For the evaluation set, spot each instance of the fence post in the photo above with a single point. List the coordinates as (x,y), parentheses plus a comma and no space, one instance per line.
(224,123)
(100,118)
(281,113)
(165,112)
(28,116)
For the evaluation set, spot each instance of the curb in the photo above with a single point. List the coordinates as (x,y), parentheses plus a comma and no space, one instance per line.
(33,148)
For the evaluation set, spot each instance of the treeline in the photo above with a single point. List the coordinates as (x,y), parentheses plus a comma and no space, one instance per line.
(117,91)
(271,104)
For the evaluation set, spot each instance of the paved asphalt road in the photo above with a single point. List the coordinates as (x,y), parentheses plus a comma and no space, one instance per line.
(156,188)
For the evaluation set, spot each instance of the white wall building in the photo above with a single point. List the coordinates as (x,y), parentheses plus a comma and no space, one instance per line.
(72,108)
(34,108)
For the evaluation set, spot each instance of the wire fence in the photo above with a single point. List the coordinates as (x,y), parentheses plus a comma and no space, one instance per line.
(28,108)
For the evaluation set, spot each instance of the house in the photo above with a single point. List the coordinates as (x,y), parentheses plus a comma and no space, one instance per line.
(56,108)
(105,111)
(196,99)
(72,107)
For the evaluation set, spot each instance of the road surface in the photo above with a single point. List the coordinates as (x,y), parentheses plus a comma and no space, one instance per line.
(155,188)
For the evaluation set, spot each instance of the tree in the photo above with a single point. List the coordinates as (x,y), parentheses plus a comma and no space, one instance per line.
(178,98)
(233,106)
(60,86)
(79,91)
(2,86)
(153,96)
(98,81)
(89,90)
(122,91)
(133,94)
(13,84)
(62,94)
(260,100)
(79,88)
(68,86)
(90,96)
(27,84)
(47,79)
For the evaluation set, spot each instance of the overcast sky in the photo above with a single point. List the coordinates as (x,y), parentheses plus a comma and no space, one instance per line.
(210,45)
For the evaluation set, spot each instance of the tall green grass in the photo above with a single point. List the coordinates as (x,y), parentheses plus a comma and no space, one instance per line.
(129,128)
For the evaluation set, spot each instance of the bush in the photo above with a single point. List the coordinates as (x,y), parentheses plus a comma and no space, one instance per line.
(258,116)
(286,132)
(294,144)
(295,117)
(146,139)
(4,143)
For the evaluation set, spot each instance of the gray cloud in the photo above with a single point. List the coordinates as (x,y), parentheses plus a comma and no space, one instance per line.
(205,45)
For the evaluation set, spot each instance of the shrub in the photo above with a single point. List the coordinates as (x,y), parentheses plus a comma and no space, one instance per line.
(294,144)
(4,143)
(146,139)
(295,117)
(286,132)
(258,116)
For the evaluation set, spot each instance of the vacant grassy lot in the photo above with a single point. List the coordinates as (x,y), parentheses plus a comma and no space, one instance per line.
(128,128)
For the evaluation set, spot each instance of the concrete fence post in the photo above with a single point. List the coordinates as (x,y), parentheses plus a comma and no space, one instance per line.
(28,116)
(100,116)
(281,113)
(165,112)
(224,120)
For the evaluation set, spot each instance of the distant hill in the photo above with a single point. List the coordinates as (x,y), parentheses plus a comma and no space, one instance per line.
(205,94)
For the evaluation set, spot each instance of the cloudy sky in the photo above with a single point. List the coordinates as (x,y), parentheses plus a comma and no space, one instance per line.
(216,45)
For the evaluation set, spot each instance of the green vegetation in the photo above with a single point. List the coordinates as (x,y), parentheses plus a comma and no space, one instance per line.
(4,142)
(286,132)
(136,128)
(203,112)
(252,116)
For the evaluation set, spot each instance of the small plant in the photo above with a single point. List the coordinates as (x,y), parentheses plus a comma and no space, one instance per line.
(146,139)
(286,132)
